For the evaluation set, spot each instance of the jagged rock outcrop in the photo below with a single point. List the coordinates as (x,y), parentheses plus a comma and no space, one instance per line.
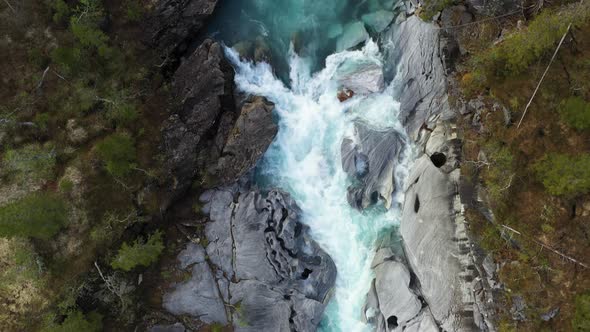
(203,86)
(370,157)
(174,23)
(269,273)
(209,134)
(252,133)
(423,90)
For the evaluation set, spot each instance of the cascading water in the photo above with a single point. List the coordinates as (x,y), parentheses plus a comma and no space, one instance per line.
(305,159)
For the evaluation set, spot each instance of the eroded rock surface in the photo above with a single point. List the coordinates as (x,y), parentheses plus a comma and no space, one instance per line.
(438,249)
(370,157)
(270,275)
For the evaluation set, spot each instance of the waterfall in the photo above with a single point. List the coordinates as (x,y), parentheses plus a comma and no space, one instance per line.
(305,160)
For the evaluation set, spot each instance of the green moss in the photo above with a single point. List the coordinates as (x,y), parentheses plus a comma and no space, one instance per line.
(76,321)
(66,185)
(581,321)
(575,111)
(522,48)
(564,175)
(139,254)
(39,215)
(118,153)
(31,162)
(134,11)
(500,173)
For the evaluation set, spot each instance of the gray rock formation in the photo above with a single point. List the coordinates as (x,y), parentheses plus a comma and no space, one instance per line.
(208,134)
(269,272)
(199,296)
(251,135)
(370,157)
(203,86)
(362,77)
(437,246)
(422,88)
(174,22)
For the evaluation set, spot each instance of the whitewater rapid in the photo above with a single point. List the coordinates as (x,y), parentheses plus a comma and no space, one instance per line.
(305,160)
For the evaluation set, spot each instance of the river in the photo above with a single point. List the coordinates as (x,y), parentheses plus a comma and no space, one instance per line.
(305,158)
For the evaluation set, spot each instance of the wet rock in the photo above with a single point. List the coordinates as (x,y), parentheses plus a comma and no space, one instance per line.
(279,278)
(378,21)
(352,35)
(362,77)
(344,95)
(335,30)
(252,133)
(423,90)
(174,23)
(370,157)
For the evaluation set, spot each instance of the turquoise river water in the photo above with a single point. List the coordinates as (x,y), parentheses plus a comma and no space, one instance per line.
(305,159)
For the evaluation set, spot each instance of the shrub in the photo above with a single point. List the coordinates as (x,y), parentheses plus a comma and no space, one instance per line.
(522,48)
(31,162)
(581,321)
(62,11)
(39,215)
(133,10)
(139,254)
(575,111)
(499,175)
(118,153)
(564,175)
(122,113)
(76,322)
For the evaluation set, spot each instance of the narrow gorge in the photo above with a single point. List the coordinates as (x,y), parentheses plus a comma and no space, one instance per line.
(351,220)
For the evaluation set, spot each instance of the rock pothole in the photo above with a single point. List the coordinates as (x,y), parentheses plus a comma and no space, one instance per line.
(438,159)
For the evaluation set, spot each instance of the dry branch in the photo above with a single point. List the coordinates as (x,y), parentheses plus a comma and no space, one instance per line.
(562,255)
(544,74)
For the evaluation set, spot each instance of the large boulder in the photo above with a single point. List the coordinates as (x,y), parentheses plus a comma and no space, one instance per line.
(352,35)
(252,133)
(211,134)
(174,23)
(421,73)
(203,86)
(378,20)
(370,158)
(360,76)
(199,296)
(269,270)
(439,251)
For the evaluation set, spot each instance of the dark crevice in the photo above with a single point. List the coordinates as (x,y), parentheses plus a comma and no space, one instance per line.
(306,273)
(391,322)
(438,159)
(416,204)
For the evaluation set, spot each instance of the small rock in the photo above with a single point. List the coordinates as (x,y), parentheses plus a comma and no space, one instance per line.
(378,20)
(76,133)
(550,315)
(352,35)
(518,308)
